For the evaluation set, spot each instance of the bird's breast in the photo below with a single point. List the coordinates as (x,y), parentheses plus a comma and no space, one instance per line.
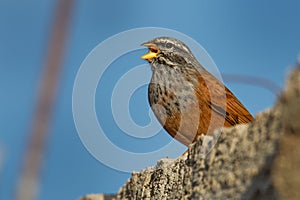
(170,91)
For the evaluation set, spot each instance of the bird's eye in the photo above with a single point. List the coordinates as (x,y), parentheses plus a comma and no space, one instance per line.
(169,45)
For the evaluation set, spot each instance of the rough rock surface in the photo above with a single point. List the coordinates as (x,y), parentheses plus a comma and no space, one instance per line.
(98,197)
(254,161)
(286,173)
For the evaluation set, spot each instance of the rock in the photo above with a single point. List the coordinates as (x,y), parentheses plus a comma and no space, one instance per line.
(98,197)
(286,174)
(236,168)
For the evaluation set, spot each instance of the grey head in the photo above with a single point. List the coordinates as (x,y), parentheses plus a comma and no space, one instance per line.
(171,51)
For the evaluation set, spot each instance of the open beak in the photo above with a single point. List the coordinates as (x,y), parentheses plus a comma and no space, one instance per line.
(153,51)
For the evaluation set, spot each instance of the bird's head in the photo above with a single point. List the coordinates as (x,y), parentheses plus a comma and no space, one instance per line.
(170,50)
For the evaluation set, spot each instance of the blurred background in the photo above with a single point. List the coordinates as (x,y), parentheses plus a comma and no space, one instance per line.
(44,42)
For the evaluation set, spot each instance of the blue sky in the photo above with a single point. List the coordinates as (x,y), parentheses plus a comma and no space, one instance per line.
(255,38)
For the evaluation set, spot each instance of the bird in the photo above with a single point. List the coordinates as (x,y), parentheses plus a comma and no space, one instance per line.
(187,100)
